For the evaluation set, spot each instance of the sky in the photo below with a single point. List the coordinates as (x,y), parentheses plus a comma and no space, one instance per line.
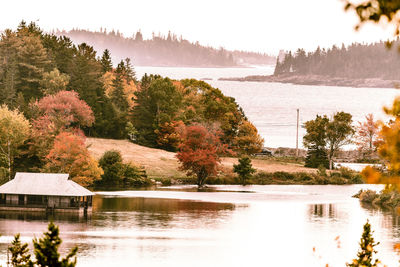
(252,25)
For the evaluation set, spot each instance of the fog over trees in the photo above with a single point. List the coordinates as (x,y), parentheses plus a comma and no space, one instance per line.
(169,50)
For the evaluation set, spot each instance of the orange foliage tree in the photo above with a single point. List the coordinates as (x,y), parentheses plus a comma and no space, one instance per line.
(388,150)
(199,152)
(169,135)
(70,155)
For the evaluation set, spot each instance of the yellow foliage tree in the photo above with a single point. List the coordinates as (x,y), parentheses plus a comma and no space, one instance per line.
(248,141)
(14,130)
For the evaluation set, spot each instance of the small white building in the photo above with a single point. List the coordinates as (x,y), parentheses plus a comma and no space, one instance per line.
(44,192)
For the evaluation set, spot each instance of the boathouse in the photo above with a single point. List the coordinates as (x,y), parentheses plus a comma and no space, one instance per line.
(44,192)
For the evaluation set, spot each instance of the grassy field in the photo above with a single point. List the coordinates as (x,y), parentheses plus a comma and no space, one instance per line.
(162,164)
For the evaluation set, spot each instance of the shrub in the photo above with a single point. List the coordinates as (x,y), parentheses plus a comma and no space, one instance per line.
(367,196)
(117,174)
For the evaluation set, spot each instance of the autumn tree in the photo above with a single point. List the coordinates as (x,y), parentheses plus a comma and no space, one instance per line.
(70,155)
(63,111)
(199,153)
(14,131)
(248,141)
(367,135)
(169,135)
(244,169)
(376,11)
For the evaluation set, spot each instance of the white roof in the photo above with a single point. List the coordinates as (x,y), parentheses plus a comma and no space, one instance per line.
(48,184)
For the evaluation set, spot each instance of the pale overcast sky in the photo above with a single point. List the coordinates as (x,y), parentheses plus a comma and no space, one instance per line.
(254,25)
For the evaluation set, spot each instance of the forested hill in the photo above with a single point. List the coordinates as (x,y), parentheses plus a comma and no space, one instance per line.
(357,61)
(164,51)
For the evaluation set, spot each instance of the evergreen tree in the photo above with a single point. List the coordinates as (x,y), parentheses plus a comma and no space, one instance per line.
(316,157)
(244,169)
(118,96)
(130,74)
(106,62)
(20,256)
(46,250)
(157,102)
(9,76)
(366,252)
(33,61)
(85,79)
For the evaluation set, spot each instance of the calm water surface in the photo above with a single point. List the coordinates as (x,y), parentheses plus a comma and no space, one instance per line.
(272,106)
(235,226)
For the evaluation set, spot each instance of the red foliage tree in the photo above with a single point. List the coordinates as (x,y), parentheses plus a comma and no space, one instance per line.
(63,111)
(70,155)
(199,152)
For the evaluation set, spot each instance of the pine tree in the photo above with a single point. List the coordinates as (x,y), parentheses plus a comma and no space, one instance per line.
(130,74)
(20,256)
(46,250)
(158,102)
(244,169)
(33,61)
(366,252)
(118,96)
(316,157)
(9,76)
(106,62)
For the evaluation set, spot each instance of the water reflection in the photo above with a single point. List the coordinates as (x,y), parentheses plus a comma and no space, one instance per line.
(237,229)
(154,212)
(323,211)
(43,216)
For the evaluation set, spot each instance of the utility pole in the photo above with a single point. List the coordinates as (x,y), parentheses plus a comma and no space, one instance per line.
(297,135)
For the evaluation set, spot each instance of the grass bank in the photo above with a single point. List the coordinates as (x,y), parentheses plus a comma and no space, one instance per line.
(162,166)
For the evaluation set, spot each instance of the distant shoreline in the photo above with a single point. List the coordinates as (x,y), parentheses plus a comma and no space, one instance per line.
(319,80)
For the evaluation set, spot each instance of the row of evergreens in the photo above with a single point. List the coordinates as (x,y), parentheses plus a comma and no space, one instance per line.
(356,61)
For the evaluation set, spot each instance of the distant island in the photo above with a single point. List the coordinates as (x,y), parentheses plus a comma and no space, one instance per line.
(358,65)
(165,51)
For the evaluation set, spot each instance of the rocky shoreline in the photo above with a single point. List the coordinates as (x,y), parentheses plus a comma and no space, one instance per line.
(319,80)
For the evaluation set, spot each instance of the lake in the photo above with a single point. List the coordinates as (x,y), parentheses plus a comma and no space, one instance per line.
(256,225)
(272,106)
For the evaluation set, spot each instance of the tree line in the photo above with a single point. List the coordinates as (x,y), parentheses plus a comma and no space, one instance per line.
(356,61)
(54,94)
(169,50)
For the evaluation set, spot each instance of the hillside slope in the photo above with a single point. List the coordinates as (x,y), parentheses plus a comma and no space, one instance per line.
(161,163)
